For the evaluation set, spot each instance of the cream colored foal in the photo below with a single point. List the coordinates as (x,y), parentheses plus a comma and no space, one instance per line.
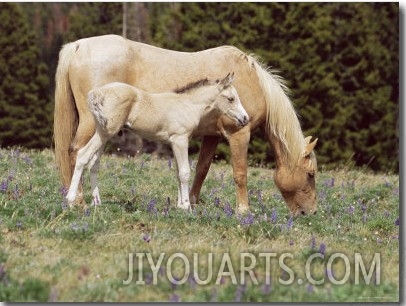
(167,117)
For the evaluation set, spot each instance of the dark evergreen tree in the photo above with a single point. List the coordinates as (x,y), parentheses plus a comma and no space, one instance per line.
(340,60)
(25,111)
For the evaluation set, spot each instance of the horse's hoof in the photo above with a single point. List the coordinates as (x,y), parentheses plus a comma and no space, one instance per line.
(243,209)
(184,206)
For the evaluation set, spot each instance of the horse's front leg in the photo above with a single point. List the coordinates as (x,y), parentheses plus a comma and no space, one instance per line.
(207,150)
(180,151)
(239,149)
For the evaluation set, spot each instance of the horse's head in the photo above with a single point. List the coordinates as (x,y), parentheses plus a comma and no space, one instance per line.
(297,185)
(228,101)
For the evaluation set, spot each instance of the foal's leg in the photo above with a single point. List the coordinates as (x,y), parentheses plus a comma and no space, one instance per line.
(239,148)
(85,155)
(180,151)
(207,150)
(94,169)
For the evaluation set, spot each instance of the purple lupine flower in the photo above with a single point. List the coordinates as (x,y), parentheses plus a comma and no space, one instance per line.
(213,297)
(146,238)
(313,243)
(397,222)
(3,186)
(274,215)
(148,279)
(290,223)
(351,209)
(322,248)
(174,298)
(228,210)
(216,201)
(248,220)
(239,293)
(151,209)
(87,212)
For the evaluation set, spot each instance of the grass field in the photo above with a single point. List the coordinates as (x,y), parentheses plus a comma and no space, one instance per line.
(348,252)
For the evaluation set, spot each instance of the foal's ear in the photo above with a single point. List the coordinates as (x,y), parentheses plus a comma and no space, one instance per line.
(227,80)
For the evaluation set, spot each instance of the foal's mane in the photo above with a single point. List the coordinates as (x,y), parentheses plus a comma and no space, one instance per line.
(191,86)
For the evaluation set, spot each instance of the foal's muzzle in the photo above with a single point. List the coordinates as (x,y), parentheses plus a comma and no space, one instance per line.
(243,121)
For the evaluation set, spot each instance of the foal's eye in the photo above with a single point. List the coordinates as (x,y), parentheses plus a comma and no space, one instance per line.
(231,99)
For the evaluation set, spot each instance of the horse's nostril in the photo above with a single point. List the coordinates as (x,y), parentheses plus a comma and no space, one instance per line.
(315,213)
(303,213)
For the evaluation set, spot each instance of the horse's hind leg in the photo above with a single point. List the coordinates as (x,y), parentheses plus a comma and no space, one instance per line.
(85,155)
(84,133)
(207,150)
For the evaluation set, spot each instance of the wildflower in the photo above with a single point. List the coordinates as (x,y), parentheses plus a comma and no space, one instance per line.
(322,248)
(216,201)
(351,209)
(151,209)
(3,186)
(310,288)
(290,223)
(274,215)
(248,220)
(19,224)
(174,298)
(146,238)
(397,222)
(87,212)
(313,243)
(228,210)
(239,293)
(266,289)
(213,295)
(291,243)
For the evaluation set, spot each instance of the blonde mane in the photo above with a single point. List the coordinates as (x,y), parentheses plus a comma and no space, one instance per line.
(281,118)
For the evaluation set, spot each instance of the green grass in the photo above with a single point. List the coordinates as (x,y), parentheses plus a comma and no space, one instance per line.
(51,253)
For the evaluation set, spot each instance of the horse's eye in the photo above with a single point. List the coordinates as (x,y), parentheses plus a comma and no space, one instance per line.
(231,99)
(310,175)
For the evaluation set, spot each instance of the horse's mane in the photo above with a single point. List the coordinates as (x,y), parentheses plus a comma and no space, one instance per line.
(282,119)
(192,86)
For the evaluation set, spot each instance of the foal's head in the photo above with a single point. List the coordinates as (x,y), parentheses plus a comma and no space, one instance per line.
(228,102)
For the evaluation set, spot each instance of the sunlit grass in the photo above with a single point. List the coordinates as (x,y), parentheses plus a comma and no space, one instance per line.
(49,252)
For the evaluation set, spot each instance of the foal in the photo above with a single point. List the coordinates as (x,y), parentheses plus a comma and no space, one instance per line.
(167,117)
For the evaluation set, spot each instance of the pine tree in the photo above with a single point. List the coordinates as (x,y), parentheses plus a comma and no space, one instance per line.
(25,112)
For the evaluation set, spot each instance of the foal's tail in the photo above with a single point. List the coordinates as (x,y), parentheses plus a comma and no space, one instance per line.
(65,114)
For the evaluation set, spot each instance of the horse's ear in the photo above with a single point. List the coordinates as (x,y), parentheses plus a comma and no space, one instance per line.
(227,80)
(309,145)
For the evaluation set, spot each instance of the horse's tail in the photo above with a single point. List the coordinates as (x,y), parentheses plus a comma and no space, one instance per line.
(281,118)
(65,114)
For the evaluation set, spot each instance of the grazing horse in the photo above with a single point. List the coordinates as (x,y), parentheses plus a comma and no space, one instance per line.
(91,62)
(167,117)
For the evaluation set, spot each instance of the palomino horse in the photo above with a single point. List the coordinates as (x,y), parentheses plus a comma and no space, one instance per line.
(167,117)
(91,62)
